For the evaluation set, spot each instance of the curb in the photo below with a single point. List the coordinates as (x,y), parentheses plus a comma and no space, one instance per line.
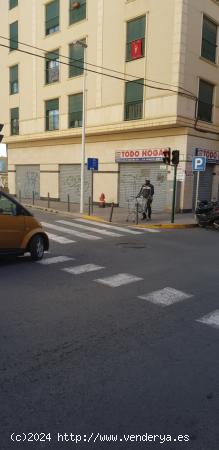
(65,213)
(100,219)
(169,225)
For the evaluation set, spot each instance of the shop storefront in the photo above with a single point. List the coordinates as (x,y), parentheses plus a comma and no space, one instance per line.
(134,167)
(209,179)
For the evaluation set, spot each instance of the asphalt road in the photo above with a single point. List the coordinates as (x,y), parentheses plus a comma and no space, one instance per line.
(80,356)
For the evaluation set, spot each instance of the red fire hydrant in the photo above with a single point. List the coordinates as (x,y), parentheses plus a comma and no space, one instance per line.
(102,202)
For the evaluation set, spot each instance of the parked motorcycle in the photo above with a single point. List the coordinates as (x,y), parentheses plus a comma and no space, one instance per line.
(207,214)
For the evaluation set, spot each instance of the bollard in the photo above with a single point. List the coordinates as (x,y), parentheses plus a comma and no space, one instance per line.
(33,193)
(89,206)
(111,212)
(68,197)
(136,218)
(48,200)
(20,196)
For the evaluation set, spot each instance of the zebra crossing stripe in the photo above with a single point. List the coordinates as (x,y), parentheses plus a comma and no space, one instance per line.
(85,227)
(165,297)
(72,232)
(54,260)
(119,279)
(211,319)
(59,239)
(112,227)
(78,270)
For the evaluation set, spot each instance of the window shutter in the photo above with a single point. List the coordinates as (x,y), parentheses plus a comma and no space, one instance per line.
(52,15)
(12,3)
(77,13)
(14,113)
(75,103)
(52,105)
(76,54)
(134,91)
(13,74)
(136,29)
(209,39)
(14,35)
(205,92)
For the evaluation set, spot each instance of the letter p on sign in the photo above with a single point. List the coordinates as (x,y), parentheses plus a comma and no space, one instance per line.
(199,163)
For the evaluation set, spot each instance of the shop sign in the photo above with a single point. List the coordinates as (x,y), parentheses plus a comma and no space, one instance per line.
(146,155)
(211,156)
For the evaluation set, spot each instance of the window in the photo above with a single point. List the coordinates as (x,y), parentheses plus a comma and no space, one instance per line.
(14,121)
(7,206)
(76,55)
(77,11)
(135,42)
(13,80)
(52,17)
(134,100)
(13,36)
(205,99)
(209,39)
(52,67)
(75,110)
(13,3)
(52,115)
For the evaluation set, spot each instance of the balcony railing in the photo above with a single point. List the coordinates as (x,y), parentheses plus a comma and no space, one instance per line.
(133,111)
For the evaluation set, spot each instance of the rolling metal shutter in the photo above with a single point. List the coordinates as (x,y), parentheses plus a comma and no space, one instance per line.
(70,183)
(28,181)
(205,184)
(132,176)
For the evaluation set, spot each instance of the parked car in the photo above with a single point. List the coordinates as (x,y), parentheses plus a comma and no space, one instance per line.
(20,232)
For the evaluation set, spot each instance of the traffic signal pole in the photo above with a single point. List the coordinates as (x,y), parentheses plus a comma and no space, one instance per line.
(174,194)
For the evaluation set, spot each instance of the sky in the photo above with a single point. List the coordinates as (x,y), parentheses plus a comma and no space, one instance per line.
(2,150)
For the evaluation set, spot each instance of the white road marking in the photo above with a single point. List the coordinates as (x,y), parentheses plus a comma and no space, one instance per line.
(72,232)
(118,280)
(106,225)
(83,269)
(54,260)
(59,239)
(211,319)
(85,227)
(165,297)
(151,230)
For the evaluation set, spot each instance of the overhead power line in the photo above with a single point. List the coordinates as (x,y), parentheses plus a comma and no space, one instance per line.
(95,65)
(184,94)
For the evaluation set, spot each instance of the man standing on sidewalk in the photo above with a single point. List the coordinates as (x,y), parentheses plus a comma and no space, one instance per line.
(147,192)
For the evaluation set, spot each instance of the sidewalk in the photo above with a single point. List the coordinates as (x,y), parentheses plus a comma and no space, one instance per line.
(120,215)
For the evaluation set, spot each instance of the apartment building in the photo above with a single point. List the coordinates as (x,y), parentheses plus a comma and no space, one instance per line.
(152,77)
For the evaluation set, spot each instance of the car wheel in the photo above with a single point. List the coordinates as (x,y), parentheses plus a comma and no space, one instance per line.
(36,247)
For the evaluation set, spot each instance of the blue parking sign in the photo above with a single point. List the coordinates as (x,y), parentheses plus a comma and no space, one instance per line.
(92,163)
(199,163)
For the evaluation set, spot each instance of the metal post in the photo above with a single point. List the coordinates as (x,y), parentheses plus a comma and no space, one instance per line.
(68,203)
(136,218)
(83,131)
(89,205)
(92,190)
(20,196)
(197,189)
(174,194)
(33,195)
(111,212)
(48,200)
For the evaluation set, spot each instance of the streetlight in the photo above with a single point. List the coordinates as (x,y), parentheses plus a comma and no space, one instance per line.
(84,45)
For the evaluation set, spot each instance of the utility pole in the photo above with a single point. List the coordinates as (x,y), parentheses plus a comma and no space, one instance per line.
(84,45)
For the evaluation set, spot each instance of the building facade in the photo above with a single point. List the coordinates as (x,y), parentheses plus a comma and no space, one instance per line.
(151,84)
